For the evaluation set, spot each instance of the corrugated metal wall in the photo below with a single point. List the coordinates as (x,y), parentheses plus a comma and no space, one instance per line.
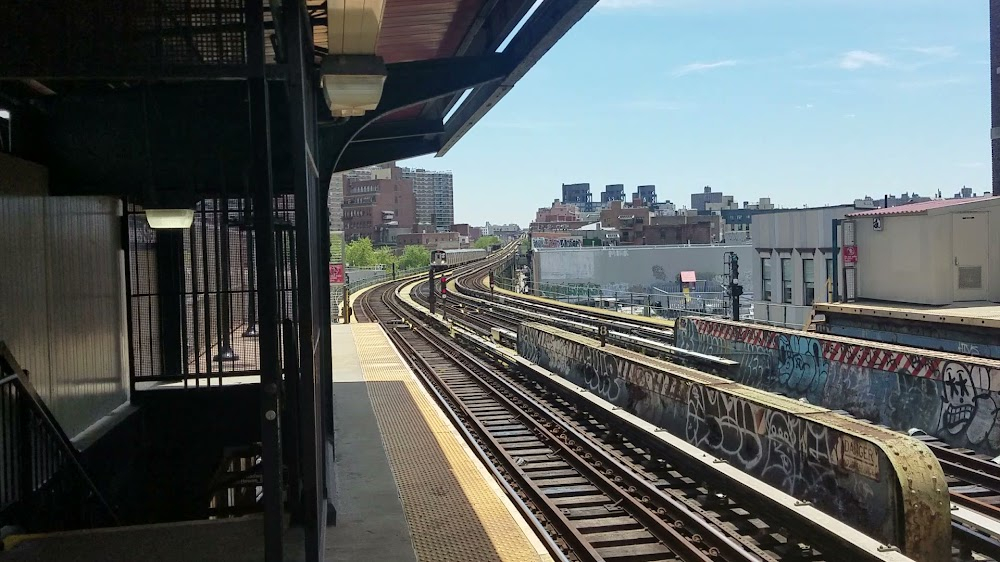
(62,301)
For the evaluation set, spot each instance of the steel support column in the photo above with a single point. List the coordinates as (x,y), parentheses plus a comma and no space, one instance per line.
(263,222)
(303,119)
(169,265)
(995,91)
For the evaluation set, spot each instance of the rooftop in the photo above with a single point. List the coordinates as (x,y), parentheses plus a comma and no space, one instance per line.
(925,207)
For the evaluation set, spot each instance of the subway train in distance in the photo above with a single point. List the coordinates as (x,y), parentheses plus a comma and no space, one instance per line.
(441,259)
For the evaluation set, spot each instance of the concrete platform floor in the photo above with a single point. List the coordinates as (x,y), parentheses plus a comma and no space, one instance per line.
(398,466)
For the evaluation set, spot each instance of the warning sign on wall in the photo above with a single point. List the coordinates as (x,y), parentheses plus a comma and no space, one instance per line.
(336,273)
(850,254)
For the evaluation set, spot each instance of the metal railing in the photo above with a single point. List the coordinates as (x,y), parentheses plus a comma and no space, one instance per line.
(44,485)
(337,292)
(660,304)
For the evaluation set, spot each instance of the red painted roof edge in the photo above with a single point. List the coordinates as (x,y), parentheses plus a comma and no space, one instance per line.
(922,207)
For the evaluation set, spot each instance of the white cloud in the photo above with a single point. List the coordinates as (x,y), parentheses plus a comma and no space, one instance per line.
(854,60)
(849,116)
(805,106)
(704,66)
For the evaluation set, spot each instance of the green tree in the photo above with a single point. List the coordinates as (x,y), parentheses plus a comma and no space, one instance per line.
(484,242)
(360,253)
(415,256)
(384,256)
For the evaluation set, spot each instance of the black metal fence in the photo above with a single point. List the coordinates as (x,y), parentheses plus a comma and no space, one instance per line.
(43,483)
(193,295)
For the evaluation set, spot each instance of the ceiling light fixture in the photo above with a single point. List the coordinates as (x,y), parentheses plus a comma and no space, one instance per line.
(352,75)
(352,84)
(169,218)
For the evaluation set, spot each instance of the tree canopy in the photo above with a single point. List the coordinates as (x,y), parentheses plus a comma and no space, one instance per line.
(414,256)
(361,253)
(484,242)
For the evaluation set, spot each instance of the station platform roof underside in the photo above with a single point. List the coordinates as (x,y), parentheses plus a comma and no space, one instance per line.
(129,98)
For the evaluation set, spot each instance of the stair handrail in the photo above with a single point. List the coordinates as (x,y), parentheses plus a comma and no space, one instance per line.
(12,373)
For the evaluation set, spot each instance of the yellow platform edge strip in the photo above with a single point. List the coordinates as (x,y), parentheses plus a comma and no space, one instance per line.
(454,512)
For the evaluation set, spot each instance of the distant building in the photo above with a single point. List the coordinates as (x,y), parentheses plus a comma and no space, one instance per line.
(465,233)
(736,222)
(612,192)
(638,226)
(646,194)
(379,206)
(558,212)
(890,201)
(700,201)
(556,226)
(577,194)
(794,249)
(434,193)
(335,197)
(629,221)
(596,234)
(501,229)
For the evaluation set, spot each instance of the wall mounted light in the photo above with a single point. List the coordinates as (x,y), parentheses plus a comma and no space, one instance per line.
(169,218)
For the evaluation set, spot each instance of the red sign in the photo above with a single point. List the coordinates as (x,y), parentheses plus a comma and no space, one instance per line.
(336,273)
(850,254)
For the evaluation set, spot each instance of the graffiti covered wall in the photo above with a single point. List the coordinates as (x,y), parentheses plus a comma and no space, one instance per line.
(847,477)
(955,398)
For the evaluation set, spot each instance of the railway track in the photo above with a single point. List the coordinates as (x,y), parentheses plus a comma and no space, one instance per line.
(582,503)
(973,480)
(603,495)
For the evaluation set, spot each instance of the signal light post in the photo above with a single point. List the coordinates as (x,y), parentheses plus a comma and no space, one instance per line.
(735,289)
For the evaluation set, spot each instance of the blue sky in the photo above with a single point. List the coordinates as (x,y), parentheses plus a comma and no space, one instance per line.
(804,101)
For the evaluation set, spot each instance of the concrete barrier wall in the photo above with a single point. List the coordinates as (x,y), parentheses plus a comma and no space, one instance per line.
(841,466)
(953,397)
(979,341)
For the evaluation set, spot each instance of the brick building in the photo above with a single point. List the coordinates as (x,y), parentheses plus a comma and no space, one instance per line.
(641,227)
(558,212)
(374,206)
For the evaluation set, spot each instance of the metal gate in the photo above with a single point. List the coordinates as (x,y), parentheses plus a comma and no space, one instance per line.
(193,296)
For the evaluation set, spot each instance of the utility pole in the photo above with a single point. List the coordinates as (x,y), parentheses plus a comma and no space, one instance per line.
(430,285)
(995,91)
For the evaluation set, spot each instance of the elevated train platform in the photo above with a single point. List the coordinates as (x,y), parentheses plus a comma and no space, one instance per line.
(407,486)
(423,487)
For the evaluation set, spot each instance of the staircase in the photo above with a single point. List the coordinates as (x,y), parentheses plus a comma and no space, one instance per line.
(44,485)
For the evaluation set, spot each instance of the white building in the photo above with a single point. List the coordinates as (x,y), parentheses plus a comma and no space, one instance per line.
(794,248)
(933,253)
(434,193)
